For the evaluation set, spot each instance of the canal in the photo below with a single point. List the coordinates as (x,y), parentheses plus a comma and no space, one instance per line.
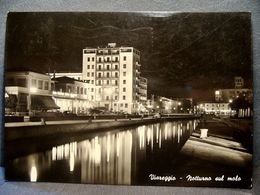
(121,156)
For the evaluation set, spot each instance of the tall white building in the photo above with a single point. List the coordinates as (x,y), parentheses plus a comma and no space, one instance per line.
(115,72)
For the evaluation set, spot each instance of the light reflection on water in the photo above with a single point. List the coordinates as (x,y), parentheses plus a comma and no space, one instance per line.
(114,157)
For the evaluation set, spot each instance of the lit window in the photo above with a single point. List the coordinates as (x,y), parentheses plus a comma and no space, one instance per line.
(40,84)
(46,85)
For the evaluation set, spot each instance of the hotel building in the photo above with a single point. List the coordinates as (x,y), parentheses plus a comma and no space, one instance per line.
(115,73)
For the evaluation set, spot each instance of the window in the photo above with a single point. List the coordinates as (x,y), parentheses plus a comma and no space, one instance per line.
(116,59)
(126,105)
(99,59)
(124,58)
(115,97)
(124,73)
(40,84)
(107,97)
(99,90)
(116,82)
(34,83)
(77,90)
(88,59)
(124,65)
(107,82)
(69,89)
(46,85)
(99,82)
(107,74)
(123,97)
(92,81)
(88,66)
(99,67)
(92,74)
(108,67)
(99,74)
(92,97)
(88,74)
(124,81)
(121,105)
(116,74)
(22,82)
(85,91)
(93,67)
(81,90)
(93,59)
(124,89)
(92,89)
(116,67)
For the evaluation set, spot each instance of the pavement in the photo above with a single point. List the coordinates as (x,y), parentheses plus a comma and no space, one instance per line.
(22,124)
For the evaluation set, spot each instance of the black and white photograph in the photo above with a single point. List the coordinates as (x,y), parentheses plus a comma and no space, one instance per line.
(129,98)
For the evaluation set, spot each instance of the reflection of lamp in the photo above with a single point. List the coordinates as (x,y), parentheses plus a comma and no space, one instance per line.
(230,101)
(33,174)
(179,103)
(216,92)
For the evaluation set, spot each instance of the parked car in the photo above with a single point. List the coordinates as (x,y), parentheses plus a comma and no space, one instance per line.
(68,113)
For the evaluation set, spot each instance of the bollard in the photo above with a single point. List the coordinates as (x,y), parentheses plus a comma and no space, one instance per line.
(203,133)
(43,121)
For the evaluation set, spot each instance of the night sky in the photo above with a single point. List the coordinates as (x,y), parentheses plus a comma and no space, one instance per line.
(182,54)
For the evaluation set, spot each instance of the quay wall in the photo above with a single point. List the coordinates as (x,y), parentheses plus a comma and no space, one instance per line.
(24,132)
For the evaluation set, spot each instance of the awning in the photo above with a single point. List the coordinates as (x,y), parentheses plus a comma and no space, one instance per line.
(39,102)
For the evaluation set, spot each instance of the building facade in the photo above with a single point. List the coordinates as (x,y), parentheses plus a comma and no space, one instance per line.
(72,95)
(115,73)
(28,92)
(216,108)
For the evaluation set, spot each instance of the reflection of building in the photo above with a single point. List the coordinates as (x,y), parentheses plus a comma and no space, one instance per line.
(73,95)
(115,72)
(31,91)
(214,108)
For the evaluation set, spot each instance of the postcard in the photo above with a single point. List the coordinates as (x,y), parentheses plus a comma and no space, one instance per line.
(129,98)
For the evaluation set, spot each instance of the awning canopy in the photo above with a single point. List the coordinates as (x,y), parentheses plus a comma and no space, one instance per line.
(39,102)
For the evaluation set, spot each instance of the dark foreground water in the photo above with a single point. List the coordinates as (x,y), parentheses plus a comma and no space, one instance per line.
(123,156)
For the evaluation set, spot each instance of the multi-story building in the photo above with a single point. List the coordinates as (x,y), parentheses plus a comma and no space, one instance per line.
(214,108)
(31,92)
(73,95)
(115,73)
(228,95)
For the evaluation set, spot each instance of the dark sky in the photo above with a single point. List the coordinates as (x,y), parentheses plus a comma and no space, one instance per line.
(182,54)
